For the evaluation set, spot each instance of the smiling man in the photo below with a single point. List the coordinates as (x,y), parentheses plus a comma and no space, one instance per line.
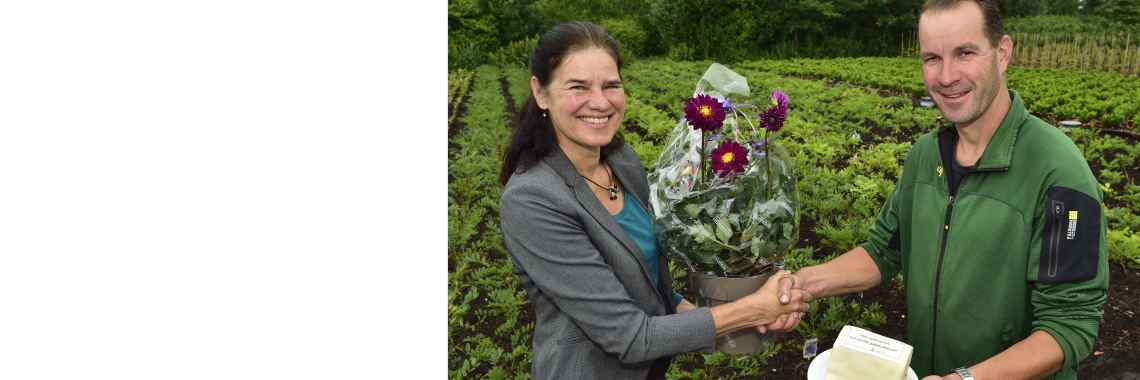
(996,223)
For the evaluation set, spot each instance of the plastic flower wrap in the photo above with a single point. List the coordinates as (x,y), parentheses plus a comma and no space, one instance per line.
(723,192)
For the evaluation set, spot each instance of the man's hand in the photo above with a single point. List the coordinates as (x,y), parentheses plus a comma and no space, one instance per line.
(786,322)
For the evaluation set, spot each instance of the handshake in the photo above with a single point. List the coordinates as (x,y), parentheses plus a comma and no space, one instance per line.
(793,301)
(777,306)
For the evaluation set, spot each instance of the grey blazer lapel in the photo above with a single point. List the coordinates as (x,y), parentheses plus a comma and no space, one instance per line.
(627,167)
(586,198)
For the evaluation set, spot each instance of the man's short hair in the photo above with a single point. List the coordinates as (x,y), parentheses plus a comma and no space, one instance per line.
(991,16)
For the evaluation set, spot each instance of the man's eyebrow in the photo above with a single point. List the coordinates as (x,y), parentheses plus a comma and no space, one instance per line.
(969,46)
(966,46)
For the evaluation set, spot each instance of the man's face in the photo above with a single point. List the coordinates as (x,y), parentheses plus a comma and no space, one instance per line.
(963,73)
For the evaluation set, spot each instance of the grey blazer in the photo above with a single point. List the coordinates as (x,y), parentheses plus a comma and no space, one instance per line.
(598,314)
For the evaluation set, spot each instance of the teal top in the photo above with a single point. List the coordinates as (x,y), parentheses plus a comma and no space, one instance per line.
(636,222)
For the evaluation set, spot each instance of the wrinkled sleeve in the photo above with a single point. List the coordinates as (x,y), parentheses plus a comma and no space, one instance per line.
(546,239)
(883,243)
(1069,269)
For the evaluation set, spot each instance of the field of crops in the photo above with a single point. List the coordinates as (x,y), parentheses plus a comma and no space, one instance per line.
(850,125)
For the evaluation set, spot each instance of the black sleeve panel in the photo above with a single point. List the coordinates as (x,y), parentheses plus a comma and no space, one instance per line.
(1070,240)
(896,240)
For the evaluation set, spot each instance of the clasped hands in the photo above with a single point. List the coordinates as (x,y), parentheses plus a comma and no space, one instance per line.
(793,301)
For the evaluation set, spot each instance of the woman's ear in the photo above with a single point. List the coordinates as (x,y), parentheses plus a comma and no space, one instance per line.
(539,96)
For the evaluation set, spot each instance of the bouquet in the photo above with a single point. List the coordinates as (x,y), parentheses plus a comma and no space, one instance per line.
(723,191)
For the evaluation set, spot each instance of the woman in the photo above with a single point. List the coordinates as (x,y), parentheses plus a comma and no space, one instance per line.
(575,224)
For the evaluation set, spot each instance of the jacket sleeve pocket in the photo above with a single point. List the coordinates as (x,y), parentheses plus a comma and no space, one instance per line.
(1070,239)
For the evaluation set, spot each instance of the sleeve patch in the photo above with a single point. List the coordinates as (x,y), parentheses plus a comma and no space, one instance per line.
(1070,241)
(896,240)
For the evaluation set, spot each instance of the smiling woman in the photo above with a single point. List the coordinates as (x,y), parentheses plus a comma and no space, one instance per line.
(585,102)
(575,222)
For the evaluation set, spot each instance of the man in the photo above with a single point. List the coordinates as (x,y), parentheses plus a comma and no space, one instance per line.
(996,223)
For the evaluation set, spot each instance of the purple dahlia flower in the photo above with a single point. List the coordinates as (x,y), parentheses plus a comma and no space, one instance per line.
(704,112)
(729,158)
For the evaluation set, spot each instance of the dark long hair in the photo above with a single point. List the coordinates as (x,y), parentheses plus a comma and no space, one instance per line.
(534,136)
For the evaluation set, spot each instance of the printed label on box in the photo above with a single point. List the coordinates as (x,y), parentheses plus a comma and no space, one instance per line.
(878,345)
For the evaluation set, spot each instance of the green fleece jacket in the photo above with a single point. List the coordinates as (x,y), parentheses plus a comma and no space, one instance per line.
(1018,247)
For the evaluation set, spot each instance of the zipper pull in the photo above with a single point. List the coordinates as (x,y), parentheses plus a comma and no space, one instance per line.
(951,201)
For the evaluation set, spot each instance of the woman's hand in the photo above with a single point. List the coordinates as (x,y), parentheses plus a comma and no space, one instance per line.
(787,283)
(760,308)
(775,312)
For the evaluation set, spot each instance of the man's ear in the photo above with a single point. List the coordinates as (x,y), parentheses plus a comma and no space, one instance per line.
(539,96)
(1005,52)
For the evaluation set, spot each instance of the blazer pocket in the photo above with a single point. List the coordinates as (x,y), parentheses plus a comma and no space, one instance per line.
(573,340)
(572,358)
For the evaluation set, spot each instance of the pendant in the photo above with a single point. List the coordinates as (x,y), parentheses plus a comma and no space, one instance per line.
(613,192)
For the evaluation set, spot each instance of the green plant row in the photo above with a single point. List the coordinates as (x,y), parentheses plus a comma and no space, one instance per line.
(849,128)
(518,79)
(1110,99)
(897,74)
(458,83)
(481,286)
(1112,154)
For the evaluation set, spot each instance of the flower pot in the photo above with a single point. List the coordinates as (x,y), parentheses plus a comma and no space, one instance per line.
(721,290)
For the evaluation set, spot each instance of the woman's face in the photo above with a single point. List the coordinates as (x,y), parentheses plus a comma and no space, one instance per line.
(585,100)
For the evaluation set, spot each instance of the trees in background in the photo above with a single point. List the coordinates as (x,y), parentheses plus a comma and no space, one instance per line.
(733,30)
(504,31)
(479,28)
(1122,11)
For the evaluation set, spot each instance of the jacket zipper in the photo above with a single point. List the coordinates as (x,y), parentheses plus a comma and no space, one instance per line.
(1055,242)
(938,281)
(942,257)
(946,142)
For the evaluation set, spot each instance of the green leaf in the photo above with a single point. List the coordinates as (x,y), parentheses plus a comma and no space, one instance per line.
(692,210)
(702,233)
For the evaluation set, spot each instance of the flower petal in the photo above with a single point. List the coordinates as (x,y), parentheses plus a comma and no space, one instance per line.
(705,113)
(729,159)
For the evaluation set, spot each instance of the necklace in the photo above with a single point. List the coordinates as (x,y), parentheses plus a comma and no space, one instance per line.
(613,188)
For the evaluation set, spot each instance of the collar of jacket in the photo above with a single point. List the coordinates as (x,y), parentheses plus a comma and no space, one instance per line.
(999,151)
(625,164)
